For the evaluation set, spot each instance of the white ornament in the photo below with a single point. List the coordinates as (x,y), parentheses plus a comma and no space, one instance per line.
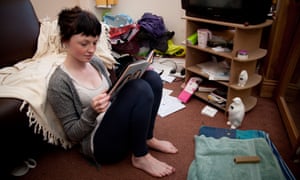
(236,113)
(243,78)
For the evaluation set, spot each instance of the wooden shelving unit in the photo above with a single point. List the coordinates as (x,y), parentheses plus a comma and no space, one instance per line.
(243,37)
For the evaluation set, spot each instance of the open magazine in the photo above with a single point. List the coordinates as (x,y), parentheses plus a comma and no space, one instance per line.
(133,71)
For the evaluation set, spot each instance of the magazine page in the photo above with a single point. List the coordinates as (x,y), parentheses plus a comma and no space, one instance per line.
(133,71)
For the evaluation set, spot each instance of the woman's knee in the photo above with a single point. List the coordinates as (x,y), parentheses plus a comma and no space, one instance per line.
(153,79)
(138,88)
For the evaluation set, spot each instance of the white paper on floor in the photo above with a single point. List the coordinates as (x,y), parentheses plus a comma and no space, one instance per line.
(209,111)
(169,104)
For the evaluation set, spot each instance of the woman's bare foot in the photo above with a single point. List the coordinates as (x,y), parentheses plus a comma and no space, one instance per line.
(162,145)
(152,165)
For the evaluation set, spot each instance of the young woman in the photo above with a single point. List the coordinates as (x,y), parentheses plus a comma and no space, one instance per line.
(106,130)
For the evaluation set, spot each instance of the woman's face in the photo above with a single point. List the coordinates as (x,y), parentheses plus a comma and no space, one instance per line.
(81,47)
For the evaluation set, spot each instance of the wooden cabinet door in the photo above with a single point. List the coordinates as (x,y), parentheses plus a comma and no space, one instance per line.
(288,92)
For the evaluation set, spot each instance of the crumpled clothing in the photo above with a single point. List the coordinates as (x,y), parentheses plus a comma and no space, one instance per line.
(153,24)
(174,50)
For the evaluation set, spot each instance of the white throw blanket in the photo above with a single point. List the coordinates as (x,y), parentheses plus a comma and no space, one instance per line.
(28,81)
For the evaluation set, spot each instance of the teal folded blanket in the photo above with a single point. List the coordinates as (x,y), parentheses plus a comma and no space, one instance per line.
(214,159)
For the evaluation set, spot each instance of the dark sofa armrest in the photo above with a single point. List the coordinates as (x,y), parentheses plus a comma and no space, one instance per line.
(19,31)
(18,41)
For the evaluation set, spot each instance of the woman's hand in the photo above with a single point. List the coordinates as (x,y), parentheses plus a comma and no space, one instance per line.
(101,102)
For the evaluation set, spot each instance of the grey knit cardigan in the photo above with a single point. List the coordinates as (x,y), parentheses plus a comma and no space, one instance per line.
(64,99)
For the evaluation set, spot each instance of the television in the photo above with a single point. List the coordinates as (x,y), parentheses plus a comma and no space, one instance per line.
(236,11)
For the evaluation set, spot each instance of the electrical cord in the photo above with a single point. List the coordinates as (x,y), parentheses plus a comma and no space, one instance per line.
(174,69)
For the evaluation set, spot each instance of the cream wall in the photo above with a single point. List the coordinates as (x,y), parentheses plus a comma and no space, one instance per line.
(170,10)
(50,8)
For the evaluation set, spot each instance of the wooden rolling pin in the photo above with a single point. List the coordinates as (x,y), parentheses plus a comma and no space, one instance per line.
(246,159)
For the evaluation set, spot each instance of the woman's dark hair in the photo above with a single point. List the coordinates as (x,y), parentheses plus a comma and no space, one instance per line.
(76,21)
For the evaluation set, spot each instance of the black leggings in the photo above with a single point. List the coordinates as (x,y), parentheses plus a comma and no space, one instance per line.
(130,120)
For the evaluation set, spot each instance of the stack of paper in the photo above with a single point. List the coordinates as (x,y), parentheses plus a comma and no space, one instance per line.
(215,70)
(169,104)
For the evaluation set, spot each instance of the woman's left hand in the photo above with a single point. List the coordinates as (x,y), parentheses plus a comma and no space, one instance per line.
(100,103)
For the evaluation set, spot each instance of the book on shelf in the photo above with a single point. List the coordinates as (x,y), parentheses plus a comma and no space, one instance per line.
(220,92)
(218,96)
(207,86)
(206,89)
(216,100)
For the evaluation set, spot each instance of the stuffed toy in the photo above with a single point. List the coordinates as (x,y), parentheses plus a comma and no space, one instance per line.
(243,78)
(236,113)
